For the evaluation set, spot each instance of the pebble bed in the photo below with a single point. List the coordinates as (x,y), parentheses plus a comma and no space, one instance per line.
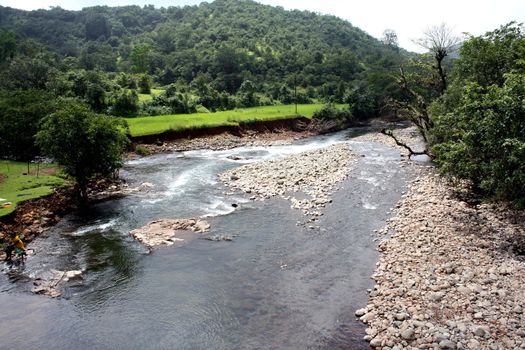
(451,276)
(312,174)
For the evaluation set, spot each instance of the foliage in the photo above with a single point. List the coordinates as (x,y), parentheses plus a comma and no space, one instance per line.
(84,143)
(486,59)
(479,131)
(125,104)
(144,84)
(214,48)
(20,116)
(332,112)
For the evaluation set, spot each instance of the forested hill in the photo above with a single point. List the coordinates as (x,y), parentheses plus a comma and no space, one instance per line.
(223,43)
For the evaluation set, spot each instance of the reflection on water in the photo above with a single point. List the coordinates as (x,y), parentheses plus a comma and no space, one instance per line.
(276,286)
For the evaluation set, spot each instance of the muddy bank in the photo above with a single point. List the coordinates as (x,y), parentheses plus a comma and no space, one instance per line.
(300,124)
(451,276)
(260,134)
(31,218)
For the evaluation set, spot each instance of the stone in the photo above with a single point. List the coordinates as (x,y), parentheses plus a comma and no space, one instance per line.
(447,344)
(367,317)
(73,274)
(376,342)
(360,312)
(480,331)
(437,296)
(401,316)
(408,334)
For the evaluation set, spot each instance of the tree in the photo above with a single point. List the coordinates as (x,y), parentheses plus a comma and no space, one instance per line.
(86,144)
(479,132)
(97,26)
(20,115)
(140,56)
(144,84)
(390,38)
(8,44)
(125,103)
(441,42)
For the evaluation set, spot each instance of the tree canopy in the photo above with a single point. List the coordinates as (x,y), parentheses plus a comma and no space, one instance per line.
(479,131)
(86,144)
(221,44)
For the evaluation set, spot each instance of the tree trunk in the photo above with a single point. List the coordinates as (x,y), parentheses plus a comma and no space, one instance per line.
(82,193)
(442,75)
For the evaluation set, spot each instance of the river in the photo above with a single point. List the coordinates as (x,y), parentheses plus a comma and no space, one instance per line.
(277,285)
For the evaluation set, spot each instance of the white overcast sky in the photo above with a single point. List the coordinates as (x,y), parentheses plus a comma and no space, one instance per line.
(409,18)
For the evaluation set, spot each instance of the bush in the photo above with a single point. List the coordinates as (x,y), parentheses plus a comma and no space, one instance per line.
(142,151)
(125,104)
(483,140)
(331,112)
(144,84)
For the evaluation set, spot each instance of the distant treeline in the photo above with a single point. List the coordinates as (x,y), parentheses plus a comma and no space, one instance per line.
(216,56)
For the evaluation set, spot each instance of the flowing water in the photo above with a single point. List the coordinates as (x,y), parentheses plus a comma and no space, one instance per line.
(278,285)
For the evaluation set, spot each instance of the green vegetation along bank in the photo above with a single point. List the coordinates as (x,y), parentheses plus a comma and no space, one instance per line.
(17,185)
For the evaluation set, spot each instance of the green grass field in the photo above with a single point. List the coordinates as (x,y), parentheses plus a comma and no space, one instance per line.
(143,126)
(16,187)
(149,97)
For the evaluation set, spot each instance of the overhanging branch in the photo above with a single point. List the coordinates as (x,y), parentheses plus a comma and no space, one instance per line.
(404,145)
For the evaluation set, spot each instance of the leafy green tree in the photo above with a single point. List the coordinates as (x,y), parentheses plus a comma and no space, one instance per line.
(20,115)
(140,56)
(97,26)
(144,84)
(8,44)
(125,103)
(486,59)
(483,140)
(86,144)
(28,73)
(479,124)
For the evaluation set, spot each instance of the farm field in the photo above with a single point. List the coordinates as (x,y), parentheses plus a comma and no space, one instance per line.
(143,126)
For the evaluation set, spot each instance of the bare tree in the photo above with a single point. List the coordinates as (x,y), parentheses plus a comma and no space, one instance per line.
(441,42)
(390,38)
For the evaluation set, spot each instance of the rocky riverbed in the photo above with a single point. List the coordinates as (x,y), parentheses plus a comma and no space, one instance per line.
(307,180)
(451,276)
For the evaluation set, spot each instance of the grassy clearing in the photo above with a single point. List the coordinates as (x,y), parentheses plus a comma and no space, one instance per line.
(16,187)
(149,97)
(156,125)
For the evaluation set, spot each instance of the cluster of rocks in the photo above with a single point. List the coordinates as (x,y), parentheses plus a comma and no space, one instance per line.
(313,173)
(451,276)
(30,221)
(165,231)
(51,283)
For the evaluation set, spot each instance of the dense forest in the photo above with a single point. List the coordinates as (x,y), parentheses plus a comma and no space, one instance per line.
(218,55)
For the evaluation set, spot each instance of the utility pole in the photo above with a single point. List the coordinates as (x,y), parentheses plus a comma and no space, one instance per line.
(295,92)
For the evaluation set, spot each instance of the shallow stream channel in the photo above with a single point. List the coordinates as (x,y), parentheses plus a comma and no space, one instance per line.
(277,285)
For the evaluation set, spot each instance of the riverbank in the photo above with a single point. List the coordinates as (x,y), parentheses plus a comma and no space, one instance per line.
(451,276)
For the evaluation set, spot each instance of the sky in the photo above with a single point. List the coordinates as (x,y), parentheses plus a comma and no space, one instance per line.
(408,18)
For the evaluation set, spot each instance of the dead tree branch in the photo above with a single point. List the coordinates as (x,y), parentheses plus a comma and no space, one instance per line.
(404,145)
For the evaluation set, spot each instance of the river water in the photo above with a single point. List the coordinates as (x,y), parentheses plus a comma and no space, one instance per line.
(278,285)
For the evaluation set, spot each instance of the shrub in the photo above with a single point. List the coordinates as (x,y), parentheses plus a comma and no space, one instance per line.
(331,112)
